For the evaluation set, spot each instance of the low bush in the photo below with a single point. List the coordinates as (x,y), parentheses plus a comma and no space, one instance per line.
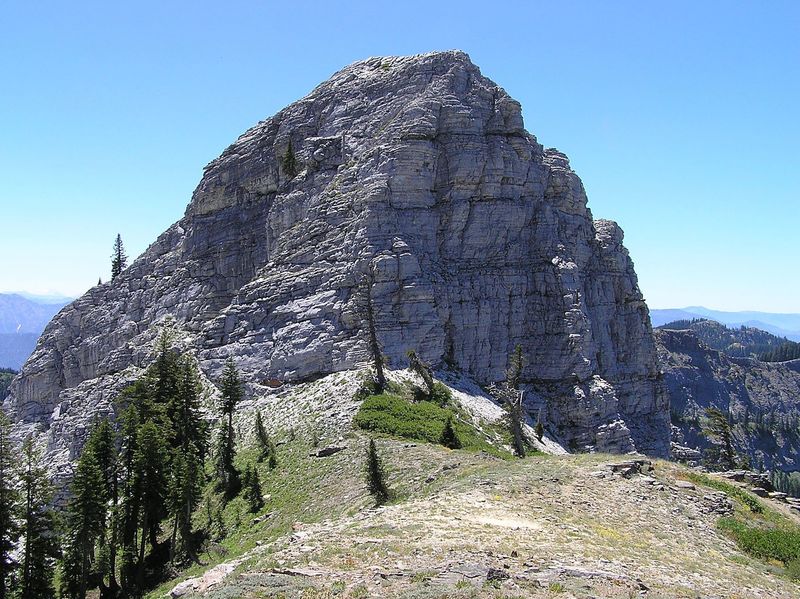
(393,415)
(779,543)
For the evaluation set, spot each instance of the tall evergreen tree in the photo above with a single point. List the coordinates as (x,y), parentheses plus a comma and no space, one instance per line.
(150,466)
(516,413)
(511,396)
(119,259)
(166,376)
(130,496)
(367,307)
(266,446)
(85,524)
(102,443)
(421,369)
(718,430)
(39,544)
(252,489)
(228,477)
(9,507)
(189,432)
(375,473)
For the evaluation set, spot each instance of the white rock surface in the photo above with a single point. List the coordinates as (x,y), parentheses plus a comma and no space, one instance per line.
(419,170)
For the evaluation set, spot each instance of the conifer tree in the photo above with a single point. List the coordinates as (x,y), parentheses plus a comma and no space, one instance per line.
(449,438)
(252,489)
(511,395)
(166,374)
(85,524)
(119,259)
(189,434)
(421,369)
(9,507)
(367,307)
(102,443)
(39,544)
(718,431)
(376,474)
(228,477)
(130,494)
(150,464)
(265,444)
(515,366)
(289,162)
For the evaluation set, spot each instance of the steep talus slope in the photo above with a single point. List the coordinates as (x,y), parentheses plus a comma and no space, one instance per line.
(415,179)
(762,398)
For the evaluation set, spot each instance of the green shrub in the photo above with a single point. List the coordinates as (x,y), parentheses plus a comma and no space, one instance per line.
(390,414)
(779,543)
(449,437)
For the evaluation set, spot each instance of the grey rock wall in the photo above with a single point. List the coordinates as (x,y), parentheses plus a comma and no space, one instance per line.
(762,399)
(417,172)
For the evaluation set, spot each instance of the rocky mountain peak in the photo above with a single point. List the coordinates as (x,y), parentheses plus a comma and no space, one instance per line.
(416,175)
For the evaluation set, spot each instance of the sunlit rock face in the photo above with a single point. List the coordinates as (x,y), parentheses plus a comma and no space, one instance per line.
(414,173)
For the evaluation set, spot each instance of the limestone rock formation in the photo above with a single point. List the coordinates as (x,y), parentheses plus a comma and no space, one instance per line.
(762,399)
(413,180)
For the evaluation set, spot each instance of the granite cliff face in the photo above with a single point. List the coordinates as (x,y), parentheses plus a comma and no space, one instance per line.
(417,174)
(762,399)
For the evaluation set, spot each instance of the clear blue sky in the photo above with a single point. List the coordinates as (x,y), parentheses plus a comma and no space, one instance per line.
(682,119)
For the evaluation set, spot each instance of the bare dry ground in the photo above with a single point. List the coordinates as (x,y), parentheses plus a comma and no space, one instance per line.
(470,525)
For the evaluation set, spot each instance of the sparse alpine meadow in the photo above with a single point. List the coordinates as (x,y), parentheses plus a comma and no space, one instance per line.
(477,523)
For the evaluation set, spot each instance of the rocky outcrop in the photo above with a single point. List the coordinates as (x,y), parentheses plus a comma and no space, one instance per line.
(408,178)
(762,399)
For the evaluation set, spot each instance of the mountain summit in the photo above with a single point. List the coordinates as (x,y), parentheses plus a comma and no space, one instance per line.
(408,179)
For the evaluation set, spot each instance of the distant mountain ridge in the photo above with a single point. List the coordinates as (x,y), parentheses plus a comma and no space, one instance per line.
(22,320)
(780,324)
(737,342)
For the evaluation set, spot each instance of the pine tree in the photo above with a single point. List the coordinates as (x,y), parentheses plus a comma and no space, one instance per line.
(130,496)
(289,162)
(189,433)
(718,431)
(85,524)
(227,476)
(166,374)
(265,444)
(150,465)
(9,507)
(252,489)
(449,437)
(376,475)
(39,544)
(513,400)
(102,443)
(515,366)
(119,259)
(423,370)
(367,307)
